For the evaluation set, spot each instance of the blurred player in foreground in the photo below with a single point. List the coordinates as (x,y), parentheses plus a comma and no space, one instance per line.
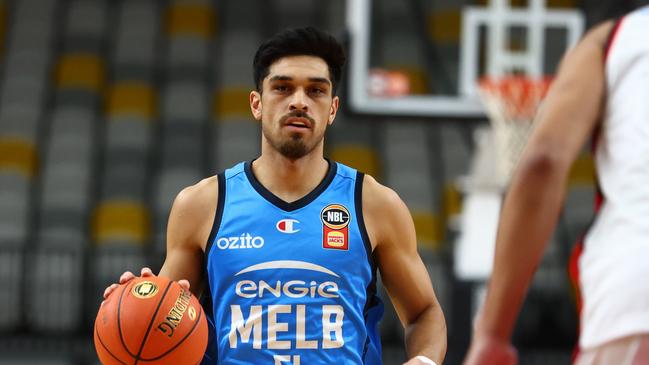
(602,90)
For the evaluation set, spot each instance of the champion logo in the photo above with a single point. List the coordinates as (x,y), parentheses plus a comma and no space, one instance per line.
(287,225)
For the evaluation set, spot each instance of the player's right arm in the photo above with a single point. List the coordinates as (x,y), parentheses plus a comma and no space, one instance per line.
(531,208)
(188,229)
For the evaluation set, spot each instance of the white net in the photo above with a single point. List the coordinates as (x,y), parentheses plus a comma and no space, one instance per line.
(511,104)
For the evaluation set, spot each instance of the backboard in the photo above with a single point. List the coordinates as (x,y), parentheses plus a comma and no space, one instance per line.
(442,49)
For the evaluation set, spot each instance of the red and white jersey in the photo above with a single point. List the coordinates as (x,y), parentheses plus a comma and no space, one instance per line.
(614,268)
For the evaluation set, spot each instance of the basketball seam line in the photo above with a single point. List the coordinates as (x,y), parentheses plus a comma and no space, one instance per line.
(179,342)
(119,322)
(106,347)
(146,335)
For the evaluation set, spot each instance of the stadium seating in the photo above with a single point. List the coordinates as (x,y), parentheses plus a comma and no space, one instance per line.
(108,109)
(24,86)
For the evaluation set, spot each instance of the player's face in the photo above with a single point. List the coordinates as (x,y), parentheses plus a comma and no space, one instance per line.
(296,105)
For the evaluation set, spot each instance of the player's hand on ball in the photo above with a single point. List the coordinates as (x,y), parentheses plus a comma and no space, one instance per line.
(486,350)
(125,278)
(128,276)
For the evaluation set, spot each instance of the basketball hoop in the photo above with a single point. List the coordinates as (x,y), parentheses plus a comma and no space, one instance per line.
(511,103)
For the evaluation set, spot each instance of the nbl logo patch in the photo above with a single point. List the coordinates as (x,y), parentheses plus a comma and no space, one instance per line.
(335,231)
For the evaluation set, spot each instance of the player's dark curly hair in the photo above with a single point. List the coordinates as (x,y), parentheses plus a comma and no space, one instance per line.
(299,42)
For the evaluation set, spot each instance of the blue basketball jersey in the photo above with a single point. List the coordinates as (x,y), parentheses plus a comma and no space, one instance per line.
(291,283)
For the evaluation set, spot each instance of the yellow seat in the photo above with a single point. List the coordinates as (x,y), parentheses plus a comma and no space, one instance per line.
(232,103)
(430,229)
(444,26)
(132,98)
(360,157)
(121,220)
(582,171)
(80,70)
(452,200)
(562,4)
(18,155)
(191,19)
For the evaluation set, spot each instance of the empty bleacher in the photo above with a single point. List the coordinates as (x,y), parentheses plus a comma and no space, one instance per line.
(109,108)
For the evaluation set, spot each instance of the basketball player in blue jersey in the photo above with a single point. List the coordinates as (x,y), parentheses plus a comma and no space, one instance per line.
(286,247)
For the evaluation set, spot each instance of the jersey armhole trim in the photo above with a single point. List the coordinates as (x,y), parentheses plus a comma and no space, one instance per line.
(611,37)
(358,203)
(371,299)
(220,202)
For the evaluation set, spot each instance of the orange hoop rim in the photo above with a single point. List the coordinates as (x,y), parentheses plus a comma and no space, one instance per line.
(516,97)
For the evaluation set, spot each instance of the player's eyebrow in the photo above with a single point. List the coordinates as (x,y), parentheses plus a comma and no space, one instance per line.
(280,78)
(320,80)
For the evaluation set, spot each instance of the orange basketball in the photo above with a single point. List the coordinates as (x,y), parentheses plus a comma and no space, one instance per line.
(152,321)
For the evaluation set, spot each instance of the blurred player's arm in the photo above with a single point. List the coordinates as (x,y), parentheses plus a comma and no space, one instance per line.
(531,208)
(404,275)
(189,226)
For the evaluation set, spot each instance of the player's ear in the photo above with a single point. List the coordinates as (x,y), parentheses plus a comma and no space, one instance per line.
(255,104)
(334,109)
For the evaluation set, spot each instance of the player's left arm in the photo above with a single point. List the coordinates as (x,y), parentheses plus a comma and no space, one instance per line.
(531,208)
(404,275)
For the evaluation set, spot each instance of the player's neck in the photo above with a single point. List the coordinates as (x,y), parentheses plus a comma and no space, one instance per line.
(289,179)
